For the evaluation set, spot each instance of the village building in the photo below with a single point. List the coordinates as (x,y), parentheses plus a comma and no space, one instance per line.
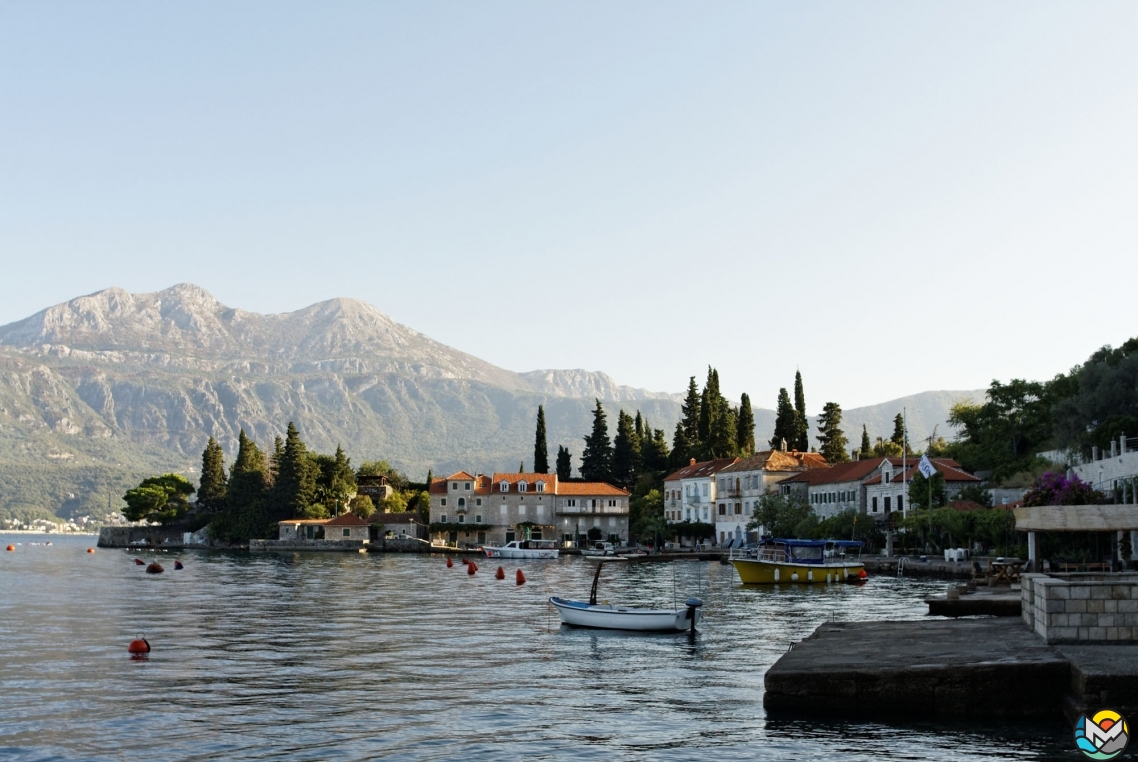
(690,492)
(739,486)
(346,527)
(375,487)
(836,489)
(397,525)
(887,490)
(475,510)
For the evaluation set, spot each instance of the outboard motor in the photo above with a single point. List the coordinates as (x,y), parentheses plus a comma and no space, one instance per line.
(693,604)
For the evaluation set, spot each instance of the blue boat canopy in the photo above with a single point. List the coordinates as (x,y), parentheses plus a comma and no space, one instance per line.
(820,543)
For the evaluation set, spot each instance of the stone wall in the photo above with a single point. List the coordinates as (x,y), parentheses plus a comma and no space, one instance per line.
(1081,608)
(125,537)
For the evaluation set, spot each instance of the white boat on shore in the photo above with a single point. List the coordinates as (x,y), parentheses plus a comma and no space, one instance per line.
(599,549)
(607,616)
(524,549)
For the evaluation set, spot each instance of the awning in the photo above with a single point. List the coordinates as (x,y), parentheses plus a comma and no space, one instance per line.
(1076,518)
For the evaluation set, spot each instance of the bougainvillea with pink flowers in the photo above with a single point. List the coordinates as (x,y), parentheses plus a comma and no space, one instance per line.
(1057,489)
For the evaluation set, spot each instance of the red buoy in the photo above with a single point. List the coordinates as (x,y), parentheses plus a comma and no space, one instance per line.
(11,547)
(178,565)
(450,562)
(471,568)
(500,574)
(154,568)
(90,550)
(861,574)
(466,562)
(139,646)
(139,562)
(521,577)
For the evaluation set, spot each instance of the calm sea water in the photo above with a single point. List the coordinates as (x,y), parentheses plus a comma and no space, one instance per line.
(353,657)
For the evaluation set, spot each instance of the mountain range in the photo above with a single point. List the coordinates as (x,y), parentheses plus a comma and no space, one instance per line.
(104,388)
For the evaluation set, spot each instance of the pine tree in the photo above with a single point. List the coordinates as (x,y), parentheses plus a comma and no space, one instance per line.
(275,458)
(898,437)
(690,410)
(540,449)
(640,426)
(704,428)
(295,489)
(866,449)
(745,427)
(248,478)
(830,436)
(802,423)
(654,452)
(211,492)
(564,464)
(596,460)
(785,423)
(681,448)
(625,451)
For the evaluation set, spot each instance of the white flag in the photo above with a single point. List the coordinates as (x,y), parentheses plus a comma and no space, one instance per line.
(926,467)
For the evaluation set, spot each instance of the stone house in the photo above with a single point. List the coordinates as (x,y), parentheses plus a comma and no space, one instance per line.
(887,489)
(836,489)
(740,485)
(375,487)
(345,527)
(397,525)
(496,509)
(690,492)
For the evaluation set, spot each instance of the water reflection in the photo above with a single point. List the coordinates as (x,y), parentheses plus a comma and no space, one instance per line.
(347,656)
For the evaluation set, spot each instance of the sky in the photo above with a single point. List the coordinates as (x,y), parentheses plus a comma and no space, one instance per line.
(890,197)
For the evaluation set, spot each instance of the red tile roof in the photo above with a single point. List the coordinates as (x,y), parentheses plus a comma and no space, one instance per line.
(531,479)
(346,520)
(949,473)
(438,486)
(777,460)
(460,476)
(703,468)
(590,488)
(840,472)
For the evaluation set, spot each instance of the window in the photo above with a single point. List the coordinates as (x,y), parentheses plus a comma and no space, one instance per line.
(875,505)
(541,510)
(521,510)
(443,519)
(462,518)
(722,509)
(443,501)
(612,504)
(705,490)
(504,486)
(478,518)
(887,502)
(540,487)
(462,503)
(481,538)
(454,486)
(572,502)
(522,486)
(509,537)
(900,503)
(504,509)
(466,486)
(738,509)
(478,501)
(347,532)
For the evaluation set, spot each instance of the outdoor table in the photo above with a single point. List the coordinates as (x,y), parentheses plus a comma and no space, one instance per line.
(1004,571)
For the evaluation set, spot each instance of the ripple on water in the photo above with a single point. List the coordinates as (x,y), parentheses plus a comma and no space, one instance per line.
(353,657)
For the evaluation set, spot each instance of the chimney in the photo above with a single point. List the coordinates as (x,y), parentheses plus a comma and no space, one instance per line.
(692,462)
(782,446)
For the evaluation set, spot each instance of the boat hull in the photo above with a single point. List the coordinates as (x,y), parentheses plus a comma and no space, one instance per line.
(756,572)
(520,553)
(607,617)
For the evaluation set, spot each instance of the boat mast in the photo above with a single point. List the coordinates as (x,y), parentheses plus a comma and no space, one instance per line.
(596,579)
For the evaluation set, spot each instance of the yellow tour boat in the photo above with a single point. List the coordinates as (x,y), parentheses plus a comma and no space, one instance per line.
(802,561)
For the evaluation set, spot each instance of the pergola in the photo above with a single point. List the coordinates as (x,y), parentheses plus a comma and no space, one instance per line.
(1074,518)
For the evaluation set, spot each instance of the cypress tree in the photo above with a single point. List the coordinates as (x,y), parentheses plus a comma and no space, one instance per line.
(640,433)
(596,460)
(830,436)
(275,458)
(866,448)
(690,410)
(654,453)
(898,437)
(211,492)
(248,478)
(564,464)
(295,489)
(802,423)
(625,450)
(681,448)
(785,423)
(540,449)
(745,439)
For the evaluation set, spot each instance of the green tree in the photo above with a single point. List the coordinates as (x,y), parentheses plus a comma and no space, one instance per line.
(395,503)
(690,410)
(681,448)
(295,489)
(831,438)
(275,458)
(625,451)
(801,422)
(788,515)
(886,448)
(866,448)
(655,454)
(1098,400)
(785,423)
(159,498)
(597,458)
(745,444)
(1005,432)
(211,489)
(898,437)
(395,478)
(721,439)
(362,506)
(564,463)
(249,476)
(335,480)
(540,448)
(919,491)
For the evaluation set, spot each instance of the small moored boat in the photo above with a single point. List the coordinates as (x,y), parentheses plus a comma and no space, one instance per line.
(807,561)
(529,549)
(599,549)
(606,616)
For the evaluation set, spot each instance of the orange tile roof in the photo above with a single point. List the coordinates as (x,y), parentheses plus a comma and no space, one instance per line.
(304,521)
(460,476)
(777,460)
(590,488)
(949,473)
(839,472)
(701,469)
(438,486)
(530,478)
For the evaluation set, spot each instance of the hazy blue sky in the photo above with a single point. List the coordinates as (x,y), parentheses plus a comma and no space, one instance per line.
(892,197)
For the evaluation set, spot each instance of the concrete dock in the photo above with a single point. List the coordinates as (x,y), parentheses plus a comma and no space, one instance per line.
(964,667)
(985,601)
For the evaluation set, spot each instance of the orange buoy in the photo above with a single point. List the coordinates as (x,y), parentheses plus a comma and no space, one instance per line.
(178,565)
(861,574)
(154,568)
(500,574)
(139,562)
(450,562)
(471,568)
(90,550)
(138,646)
(11,547)
(521,577)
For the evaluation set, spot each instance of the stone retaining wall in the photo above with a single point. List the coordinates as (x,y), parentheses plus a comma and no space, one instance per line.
(1081,608)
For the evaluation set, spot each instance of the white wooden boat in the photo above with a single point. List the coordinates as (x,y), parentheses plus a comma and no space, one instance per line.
(606,616)
(599,549)
(526,549)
